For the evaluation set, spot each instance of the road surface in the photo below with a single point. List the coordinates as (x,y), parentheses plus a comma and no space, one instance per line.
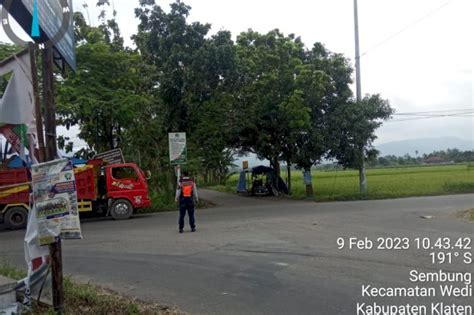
(263,256)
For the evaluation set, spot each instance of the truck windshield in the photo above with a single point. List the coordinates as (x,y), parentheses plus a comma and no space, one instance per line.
(124,173)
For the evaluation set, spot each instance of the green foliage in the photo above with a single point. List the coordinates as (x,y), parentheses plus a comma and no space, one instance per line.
(7,50)
(461,187)
(194,85)
(353,127)
(266,94)
(446,156)
(103,94)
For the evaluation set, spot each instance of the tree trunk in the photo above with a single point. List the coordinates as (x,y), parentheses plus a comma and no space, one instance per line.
(276,167)
(288,171)
(362,178)
(308,182)
(206,176)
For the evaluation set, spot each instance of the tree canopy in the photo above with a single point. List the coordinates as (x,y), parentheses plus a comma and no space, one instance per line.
(262,93)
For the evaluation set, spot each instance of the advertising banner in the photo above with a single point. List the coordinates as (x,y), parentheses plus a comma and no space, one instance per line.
(55,201)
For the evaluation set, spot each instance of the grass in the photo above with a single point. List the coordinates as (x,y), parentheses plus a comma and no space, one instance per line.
(90,299)
(9,271)
(466,215)
(382,183)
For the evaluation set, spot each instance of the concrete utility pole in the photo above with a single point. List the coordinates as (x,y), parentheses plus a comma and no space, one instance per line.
(357,53)
(362,177)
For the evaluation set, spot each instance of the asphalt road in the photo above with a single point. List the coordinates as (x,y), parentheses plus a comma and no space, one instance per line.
(263,256)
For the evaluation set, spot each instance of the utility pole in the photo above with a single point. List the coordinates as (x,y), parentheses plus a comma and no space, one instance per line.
(357,52)
(55,250)
(36,100)
(362,177)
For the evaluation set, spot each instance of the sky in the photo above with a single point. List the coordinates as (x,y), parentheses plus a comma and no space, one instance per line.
(415,53)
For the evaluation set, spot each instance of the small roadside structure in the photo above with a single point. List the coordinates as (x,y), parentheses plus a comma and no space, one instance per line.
(261,182)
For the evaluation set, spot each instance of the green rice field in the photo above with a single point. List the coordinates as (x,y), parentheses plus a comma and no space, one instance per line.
(382,182)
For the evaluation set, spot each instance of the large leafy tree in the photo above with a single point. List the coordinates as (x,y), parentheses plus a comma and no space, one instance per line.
(325,78)
(195,78)
(353,132)
(106,91)
(271,108)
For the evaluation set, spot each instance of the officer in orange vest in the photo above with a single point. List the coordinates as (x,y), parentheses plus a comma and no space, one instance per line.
(186,194)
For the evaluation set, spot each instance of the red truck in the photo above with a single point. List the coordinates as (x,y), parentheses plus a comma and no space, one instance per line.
(114,189)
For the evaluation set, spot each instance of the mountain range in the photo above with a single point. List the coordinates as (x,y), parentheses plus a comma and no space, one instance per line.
(424,146)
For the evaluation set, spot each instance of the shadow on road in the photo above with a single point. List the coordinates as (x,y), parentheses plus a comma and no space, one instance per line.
(89,220)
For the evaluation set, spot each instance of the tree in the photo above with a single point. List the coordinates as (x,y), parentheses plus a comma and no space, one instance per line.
(194,83)
(106,91)
(353,132)
(271,109)
(324,78)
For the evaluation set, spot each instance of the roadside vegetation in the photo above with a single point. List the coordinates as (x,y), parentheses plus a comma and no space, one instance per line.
(90,299)
(270,93)
(385,182)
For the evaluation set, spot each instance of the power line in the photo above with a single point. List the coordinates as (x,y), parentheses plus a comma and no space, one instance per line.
(438,116)
(441,115)
(406,27)
(436,111)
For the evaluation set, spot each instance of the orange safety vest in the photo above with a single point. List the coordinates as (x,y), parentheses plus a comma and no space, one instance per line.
(187,188)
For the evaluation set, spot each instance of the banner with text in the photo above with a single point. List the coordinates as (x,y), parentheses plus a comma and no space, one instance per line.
(178,152)
(55,201)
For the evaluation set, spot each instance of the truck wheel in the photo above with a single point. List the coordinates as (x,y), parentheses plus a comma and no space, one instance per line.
(121,209)
(15,218)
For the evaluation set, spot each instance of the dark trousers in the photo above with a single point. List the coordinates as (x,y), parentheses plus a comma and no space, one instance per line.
(186,204)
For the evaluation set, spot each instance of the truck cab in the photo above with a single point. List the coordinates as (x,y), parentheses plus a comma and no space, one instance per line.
(126,189)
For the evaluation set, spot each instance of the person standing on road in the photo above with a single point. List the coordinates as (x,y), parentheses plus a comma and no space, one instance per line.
(186,194)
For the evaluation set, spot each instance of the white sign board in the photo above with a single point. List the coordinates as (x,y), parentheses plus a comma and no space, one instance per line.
(178,152)
(55,201)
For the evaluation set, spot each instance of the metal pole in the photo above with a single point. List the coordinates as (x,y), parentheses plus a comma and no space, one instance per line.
(362,177)
(38,114)
(55,250)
